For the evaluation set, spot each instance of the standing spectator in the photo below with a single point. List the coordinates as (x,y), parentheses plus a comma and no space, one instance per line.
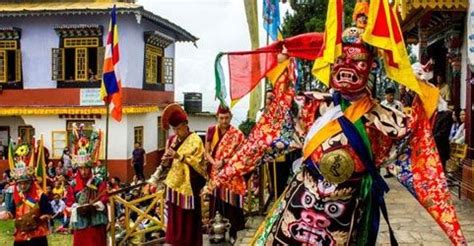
(139,161)
(444,90)
(441,128)
(46,151)
(459,137)
(406,96)
(390,100)
(3,149)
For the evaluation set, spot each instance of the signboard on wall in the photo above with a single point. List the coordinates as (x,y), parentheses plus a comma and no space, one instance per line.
(90,97)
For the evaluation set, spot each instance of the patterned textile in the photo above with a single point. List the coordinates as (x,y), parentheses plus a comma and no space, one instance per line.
(420,170)
(267,129)
(84,195)
(178,180)
(313,211)
(26,206)
(222,149)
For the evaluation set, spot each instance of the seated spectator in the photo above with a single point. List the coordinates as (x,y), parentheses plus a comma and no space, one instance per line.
(58,189)
(51,172)
(58,208)
(114,184)
(454,127)
(49,192)
(3,207)
(459,137)
(5,179)
(60,169)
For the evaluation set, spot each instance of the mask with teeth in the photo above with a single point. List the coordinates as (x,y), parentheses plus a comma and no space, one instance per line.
(351,71)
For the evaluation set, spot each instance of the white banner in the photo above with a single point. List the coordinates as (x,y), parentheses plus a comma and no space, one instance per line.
(91,97)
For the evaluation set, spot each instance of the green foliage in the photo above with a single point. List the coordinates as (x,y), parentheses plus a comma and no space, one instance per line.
(311,17)
(246,126)
(6,235)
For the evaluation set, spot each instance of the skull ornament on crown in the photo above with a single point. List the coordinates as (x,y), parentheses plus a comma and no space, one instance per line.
(351,71)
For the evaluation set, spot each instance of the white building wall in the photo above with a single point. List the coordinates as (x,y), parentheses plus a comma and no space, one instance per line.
(13,122)
(38,37)
(149,122)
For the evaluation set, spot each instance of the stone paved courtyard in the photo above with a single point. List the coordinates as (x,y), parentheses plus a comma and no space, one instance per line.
(411,223)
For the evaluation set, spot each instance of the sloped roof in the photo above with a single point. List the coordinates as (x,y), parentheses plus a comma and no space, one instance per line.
(82,8)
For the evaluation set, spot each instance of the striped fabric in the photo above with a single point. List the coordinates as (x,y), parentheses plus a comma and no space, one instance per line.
(180,200)
(111,89)
(229,197)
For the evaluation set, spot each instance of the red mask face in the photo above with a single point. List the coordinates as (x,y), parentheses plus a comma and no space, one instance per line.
(351,70)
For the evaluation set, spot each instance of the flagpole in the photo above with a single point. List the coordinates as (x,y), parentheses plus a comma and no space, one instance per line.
(107,116)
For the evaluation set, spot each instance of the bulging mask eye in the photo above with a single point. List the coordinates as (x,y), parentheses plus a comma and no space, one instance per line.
(334,209)
(362,65)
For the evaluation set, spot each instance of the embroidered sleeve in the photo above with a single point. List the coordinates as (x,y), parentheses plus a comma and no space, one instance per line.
(192,152)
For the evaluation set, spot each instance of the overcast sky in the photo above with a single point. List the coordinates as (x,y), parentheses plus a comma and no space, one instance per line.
(220,25)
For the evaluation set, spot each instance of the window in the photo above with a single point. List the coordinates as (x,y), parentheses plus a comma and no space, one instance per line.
(10,61)
(79,60)
(162,135)
(59,143)
(138,135)
(153,64)
(26,134)
(158,69)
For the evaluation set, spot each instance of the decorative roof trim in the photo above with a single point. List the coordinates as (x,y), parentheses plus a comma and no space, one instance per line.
(157,39)
(181,34)
(79,30)
(10,33)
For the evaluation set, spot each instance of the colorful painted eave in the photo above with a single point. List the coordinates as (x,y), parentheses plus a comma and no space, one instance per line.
(90,8)
(11,111)
(406,6)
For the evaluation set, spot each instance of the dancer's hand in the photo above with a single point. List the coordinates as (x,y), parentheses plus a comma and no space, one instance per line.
(5,215)
(45,217)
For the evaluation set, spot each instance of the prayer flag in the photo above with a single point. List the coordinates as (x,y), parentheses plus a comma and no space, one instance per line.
(111,89)
(271,18)
(332,46)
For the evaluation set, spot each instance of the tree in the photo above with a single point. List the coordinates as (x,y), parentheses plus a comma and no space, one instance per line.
(246,126)
(311,16)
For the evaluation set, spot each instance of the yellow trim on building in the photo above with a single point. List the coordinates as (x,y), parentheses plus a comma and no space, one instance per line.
(405,6)
(11,111)
(63,5)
